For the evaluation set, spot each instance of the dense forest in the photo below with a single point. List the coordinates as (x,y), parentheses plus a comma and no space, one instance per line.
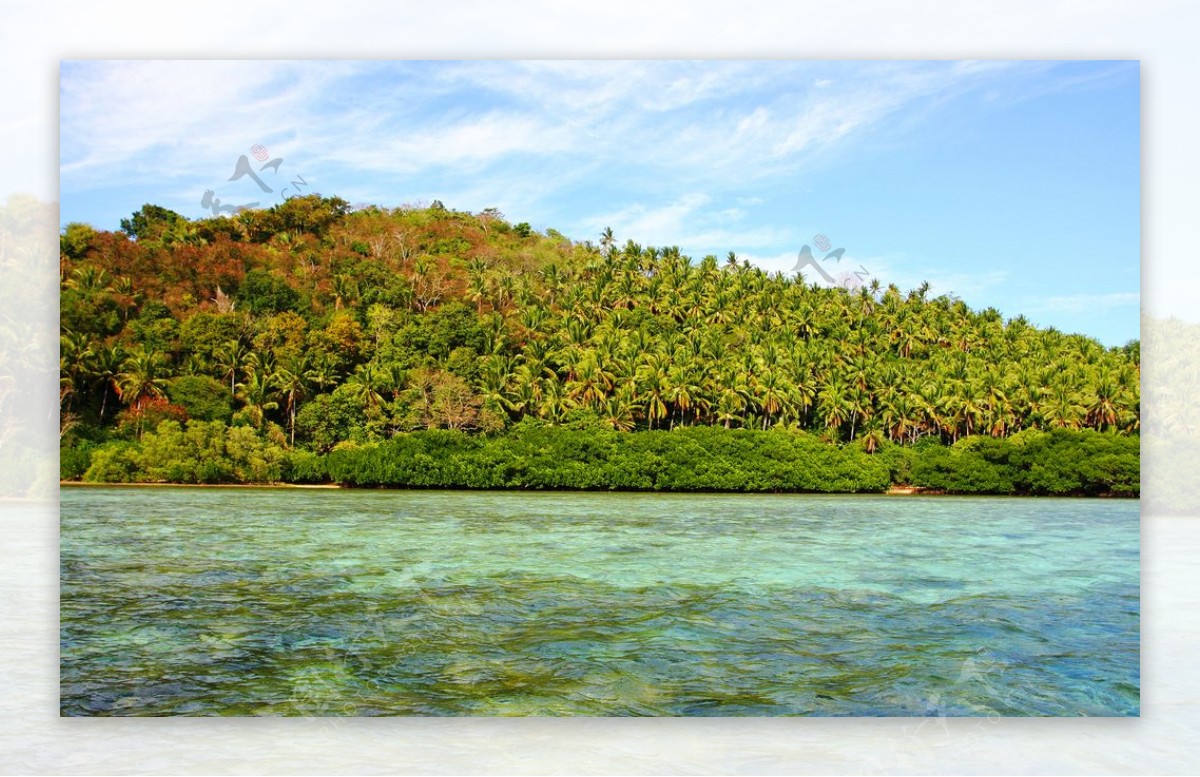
(423,346)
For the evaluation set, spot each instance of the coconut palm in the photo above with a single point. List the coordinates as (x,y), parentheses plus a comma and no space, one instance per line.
(290,383)
(257,391)
(107,364)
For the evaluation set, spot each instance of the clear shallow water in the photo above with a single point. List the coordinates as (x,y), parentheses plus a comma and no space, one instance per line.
(305,602)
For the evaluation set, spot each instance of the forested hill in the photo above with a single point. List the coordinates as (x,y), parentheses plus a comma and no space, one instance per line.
(312,324)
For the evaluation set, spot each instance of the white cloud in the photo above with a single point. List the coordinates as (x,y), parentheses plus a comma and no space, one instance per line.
(824,273)
(754,121)
(159,119)
(687,222)
(1081,303)
(661,225)
(784,262)
(470,143)
(971,287)
(586,90)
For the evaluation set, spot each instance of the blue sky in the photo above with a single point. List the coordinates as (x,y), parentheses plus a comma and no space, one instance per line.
(1008,184)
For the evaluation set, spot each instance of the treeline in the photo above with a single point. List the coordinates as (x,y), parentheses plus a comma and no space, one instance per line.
(1060,463)
(534,455)
(540,457)
(194,452)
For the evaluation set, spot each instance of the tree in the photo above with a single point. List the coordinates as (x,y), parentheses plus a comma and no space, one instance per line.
(290,381)
(607,242)
(477,282)
(229,361)
(204,398)
(328,419)
(257,393)
(454,405)
(141,378)
(361,386)
(75,240)
(261,292)
(653,388)
(150,222)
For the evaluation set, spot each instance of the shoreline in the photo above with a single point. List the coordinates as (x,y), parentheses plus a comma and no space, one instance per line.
(894,490)
(86,484)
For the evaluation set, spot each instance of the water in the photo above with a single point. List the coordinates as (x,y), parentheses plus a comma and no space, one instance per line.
(305,602)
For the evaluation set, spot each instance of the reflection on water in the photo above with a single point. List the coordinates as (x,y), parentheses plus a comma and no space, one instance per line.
(288,602)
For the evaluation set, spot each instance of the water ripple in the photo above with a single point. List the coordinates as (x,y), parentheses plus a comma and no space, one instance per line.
(191,602)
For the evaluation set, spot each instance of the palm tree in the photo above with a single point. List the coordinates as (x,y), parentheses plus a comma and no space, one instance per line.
(872,438)
(770,393)
(607,242)
(1102,408)
(141,379)
(258,393)
(362,387)
(653,388)
(618,410)
(477,282)
(322,371)
(106,366)
(833,404)
(75,363)
(591,383)
(554,402)
(89,280)
(684,391)
(860,407)
(229,361)
(289,381)
(344,290)
(126,296)
(1061,407)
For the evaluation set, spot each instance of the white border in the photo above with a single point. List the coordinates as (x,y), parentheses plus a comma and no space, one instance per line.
(1161,34)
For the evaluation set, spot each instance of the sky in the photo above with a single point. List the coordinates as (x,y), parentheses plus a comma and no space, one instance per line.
(1009,184)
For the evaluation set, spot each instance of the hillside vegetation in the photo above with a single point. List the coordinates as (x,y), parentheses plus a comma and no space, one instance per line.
(430,347)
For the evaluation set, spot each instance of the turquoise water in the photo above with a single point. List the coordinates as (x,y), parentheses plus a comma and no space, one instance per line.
(306,602)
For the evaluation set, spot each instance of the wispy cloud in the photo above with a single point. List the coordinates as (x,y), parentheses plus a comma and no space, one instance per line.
(1080,303)
(905,275)
(466,145)
(695,121)
(784,262)
(908,274)
(657,226)
(163,119)
(693,222)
